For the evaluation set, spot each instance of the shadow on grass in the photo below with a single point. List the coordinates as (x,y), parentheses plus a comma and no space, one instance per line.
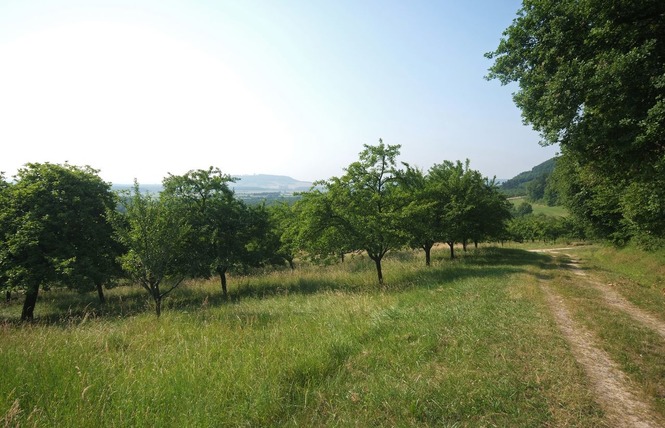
(65,308)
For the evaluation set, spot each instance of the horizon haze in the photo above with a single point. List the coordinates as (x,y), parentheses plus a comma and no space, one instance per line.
(140,89)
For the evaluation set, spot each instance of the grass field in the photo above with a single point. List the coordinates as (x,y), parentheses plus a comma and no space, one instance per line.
(557,211)
(469,342)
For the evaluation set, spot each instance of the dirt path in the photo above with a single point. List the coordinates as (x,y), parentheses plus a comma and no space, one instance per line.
(610,385)
(615,300)
(612,388)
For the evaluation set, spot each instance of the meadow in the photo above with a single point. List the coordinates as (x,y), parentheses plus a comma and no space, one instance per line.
(538,208)
(469,342)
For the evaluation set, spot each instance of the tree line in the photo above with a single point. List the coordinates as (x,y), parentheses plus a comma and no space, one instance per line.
(591,78)
(63,226)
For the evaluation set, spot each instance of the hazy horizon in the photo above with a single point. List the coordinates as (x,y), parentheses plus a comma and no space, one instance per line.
(143,88)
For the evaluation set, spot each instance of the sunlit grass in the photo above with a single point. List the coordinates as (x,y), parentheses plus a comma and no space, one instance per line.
(638,275)
(462,343)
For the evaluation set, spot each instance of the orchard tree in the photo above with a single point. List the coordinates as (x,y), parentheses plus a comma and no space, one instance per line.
(591,78)
(224,232)
(363,206)
(450,188)
(4,201)
(490,210)
(284,220)
(55,231)
(317,231)
(262,247)
(215,216)
(423,216)
(155,233)
(464,205)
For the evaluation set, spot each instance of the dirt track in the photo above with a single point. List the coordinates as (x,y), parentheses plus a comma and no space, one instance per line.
(621,403)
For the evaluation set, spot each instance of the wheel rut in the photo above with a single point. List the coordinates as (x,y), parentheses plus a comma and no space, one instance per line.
(612,388)
(614,299)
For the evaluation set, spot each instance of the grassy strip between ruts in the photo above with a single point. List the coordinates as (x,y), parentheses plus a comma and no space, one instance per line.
(464,343)
(636,274)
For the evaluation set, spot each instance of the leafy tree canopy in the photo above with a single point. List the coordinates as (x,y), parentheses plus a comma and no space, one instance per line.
(155,234)
(53,221)
(224,233)
(363,207)
(591,77)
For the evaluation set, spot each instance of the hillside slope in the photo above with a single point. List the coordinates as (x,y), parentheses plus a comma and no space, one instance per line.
(517,186)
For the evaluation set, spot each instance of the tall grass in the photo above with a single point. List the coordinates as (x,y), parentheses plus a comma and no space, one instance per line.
(462,343)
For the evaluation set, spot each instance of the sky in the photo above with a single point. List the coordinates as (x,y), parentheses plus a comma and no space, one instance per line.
(139,89)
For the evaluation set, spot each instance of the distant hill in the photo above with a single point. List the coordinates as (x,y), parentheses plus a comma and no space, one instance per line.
(269,183)
(145,188)
(257,183)
(517,186)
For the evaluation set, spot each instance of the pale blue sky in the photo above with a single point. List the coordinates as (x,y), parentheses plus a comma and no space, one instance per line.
(138,89)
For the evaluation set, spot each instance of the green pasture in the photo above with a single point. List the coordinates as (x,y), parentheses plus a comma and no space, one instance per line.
(468,342)
(556,211)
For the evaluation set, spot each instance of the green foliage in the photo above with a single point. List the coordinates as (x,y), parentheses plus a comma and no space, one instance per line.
(545,228)
(471,208)
(422,216)
(206,202)
(54,230)
(262,245)
(284,220)
(591,79)
(524,208)
(518,185)
(363,208)
(224,233)
(535,189)
(155,234)
(317,232)
(377,207)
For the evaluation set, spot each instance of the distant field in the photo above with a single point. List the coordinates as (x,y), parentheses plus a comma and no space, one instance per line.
(470,342)
(557,211)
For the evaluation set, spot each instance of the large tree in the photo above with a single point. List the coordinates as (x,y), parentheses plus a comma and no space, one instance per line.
(488,212)
(4,201)
(224,233)
(591,78)
(450,186)
(364,204)
(316,231)
(55,230)
(423,215)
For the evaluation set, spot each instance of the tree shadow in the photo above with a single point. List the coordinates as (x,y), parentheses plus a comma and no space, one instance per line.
(67,309)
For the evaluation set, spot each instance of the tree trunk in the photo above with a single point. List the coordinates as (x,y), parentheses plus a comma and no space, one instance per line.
(100,293)
(464,245)
(291,264)
(452,250)
(157,296)
(475,244)
(28,312)
(8,296)
(377,262)
(222,277)
(341,257)
(428,251)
